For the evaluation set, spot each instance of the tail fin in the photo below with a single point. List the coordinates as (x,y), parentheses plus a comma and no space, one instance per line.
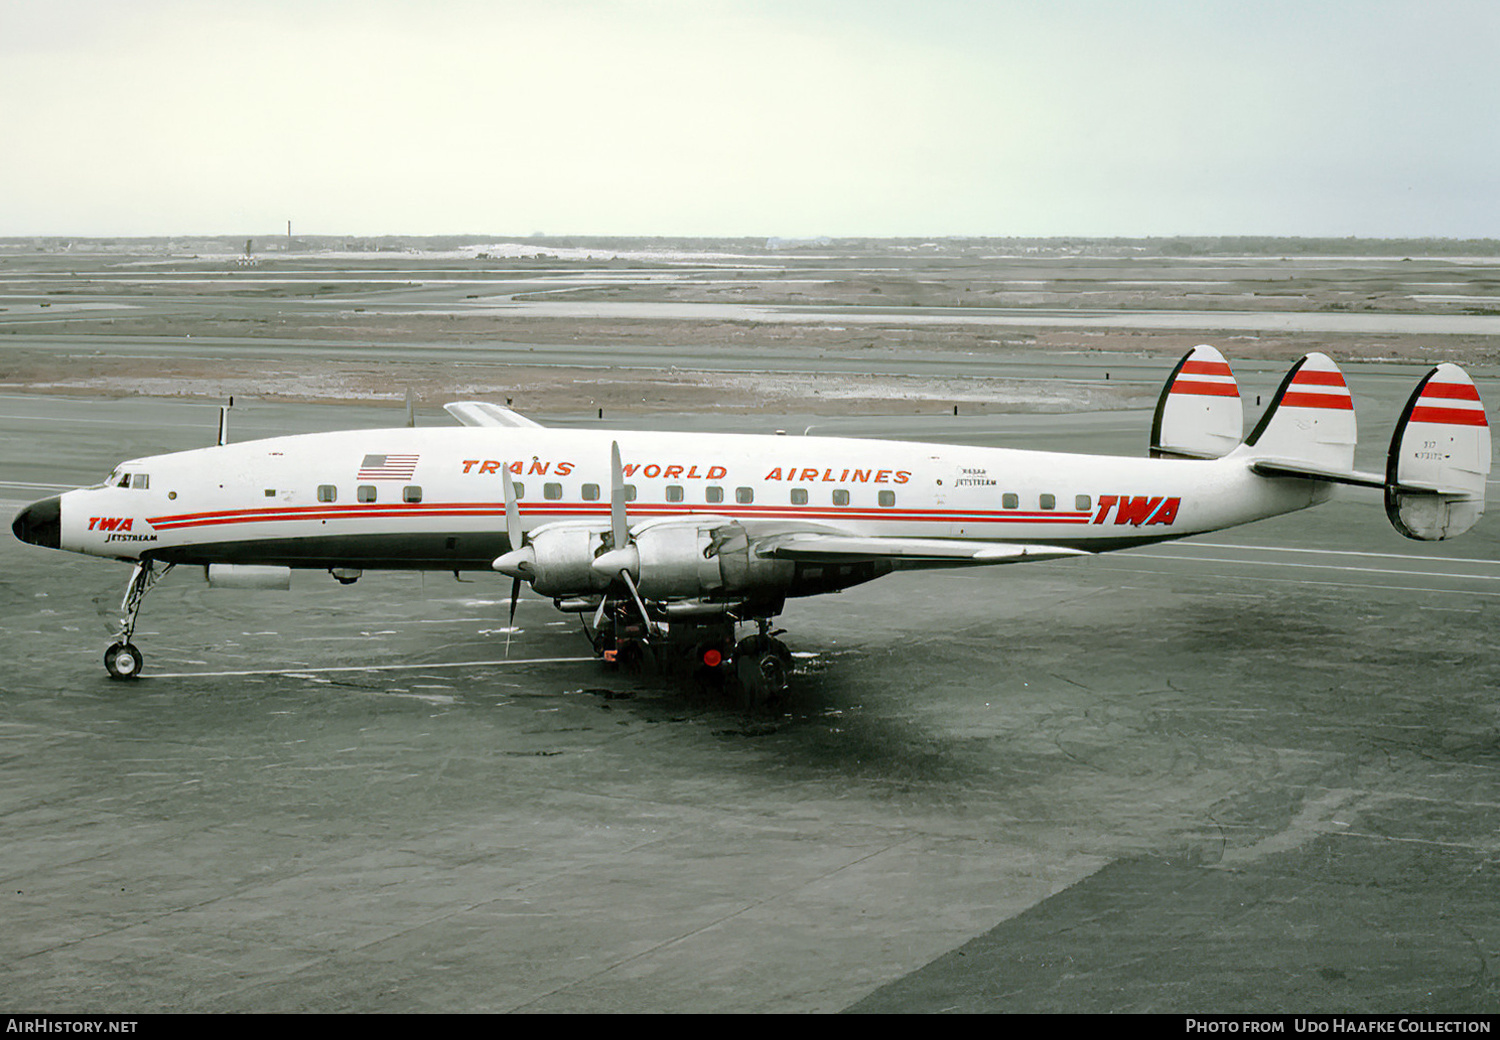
(1439,458)
(1199,414)
(1311,419)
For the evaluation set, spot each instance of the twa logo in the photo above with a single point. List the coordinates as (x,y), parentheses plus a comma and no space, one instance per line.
(1136,510)
(110,523)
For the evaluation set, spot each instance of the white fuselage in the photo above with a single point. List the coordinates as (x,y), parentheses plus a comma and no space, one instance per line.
(432,498)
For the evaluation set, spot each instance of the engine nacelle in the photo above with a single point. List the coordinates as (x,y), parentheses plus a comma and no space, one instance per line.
(708,559)
(743,571)
(701,562)
(677,561)
(561,558)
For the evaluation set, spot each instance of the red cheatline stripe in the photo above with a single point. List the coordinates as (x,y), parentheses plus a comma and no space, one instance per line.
(482,509)
(1449,416)
(1452,391)
(1303,400)
(1206,368)
(1193,386)
(1317,377)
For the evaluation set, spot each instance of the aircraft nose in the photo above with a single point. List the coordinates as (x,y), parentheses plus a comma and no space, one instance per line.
(40,523)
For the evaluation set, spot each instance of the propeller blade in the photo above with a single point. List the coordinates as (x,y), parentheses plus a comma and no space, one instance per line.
(619,525)
(515,593)
(599,614)
(512,511)
(640,603)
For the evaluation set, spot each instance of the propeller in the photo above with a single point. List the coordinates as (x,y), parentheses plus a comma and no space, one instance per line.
(520,562)
(621,562)
(623,559)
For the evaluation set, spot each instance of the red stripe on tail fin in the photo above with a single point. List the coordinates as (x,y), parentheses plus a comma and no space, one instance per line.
(1449,416)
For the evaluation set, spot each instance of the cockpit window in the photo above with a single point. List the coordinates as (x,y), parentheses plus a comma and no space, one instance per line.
(116,478)
(140,480)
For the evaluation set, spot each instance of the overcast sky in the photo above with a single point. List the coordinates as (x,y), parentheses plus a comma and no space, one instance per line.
(797,118)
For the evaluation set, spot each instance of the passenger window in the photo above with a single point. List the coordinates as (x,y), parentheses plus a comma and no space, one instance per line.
(591,492)
(713,493)
(552,492)
(411,493)
(1083,504)
(270,492)
(674,492)
(799,496)
(1049,502)
(630,492)
(1009,501)
(887,498)
(327,493)
(744,495)
(840,497)
(520,489)
(366,493)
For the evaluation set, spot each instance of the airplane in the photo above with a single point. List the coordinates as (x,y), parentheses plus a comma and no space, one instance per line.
(671,541)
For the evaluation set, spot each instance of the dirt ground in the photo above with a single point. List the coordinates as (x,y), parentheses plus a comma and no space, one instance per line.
(86,324)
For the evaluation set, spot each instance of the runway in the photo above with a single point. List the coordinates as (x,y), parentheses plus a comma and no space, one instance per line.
(1249,772)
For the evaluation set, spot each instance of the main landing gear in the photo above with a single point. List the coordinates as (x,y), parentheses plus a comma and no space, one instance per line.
(122,660)
(706,649)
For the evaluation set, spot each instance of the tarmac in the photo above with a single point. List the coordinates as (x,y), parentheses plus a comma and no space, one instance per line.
(1254,771)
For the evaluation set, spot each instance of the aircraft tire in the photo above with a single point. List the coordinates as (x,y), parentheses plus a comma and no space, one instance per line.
(762,677)
(123,661)
(772,673)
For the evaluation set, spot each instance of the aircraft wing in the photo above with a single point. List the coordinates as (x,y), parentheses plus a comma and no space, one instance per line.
(483,413)
(835,548)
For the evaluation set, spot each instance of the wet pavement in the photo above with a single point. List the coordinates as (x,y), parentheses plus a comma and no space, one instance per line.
(1256,773)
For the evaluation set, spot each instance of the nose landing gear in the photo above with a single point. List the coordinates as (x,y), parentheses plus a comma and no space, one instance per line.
(123,660)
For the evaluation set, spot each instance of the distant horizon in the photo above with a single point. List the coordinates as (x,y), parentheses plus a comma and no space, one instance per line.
(479,237)
(278,242)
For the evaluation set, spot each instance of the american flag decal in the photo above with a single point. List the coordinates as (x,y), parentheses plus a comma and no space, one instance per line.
(388,467)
